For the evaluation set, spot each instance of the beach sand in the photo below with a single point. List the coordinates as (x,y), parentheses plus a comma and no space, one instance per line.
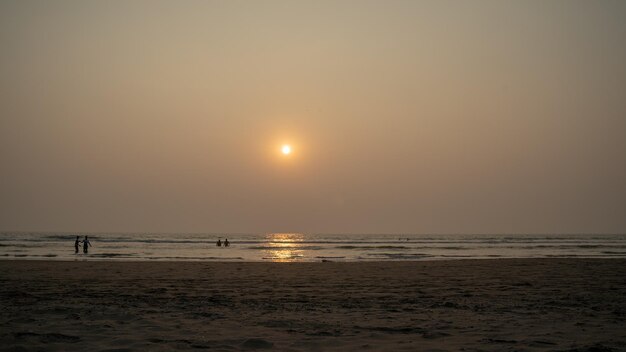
(469,305)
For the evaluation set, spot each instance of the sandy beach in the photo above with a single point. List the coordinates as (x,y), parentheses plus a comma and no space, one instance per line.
(469,305)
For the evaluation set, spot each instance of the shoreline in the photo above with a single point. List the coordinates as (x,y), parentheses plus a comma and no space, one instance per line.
(240,261)
(295,262)
(543,304)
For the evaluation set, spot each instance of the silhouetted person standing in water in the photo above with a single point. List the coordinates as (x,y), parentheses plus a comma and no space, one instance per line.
(226,243)
(76,244)
(86,245)
(219,243)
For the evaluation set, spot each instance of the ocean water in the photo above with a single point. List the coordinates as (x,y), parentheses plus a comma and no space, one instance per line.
(283,247)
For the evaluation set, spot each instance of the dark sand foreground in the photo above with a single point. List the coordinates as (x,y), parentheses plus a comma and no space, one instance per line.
(486,305)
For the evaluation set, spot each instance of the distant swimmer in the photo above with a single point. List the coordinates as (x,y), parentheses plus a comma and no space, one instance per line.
(219,243)
(226,243)
(86,245)
(76,244)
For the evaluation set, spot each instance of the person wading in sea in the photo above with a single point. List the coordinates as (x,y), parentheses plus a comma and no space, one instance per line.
(76,244)
(86,245)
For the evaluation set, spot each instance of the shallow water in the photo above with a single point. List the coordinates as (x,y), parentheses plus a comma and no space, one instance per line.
(307,247)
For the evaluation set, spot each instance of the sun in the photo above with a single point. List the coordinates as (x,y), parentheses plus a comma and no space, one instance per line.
(286,149)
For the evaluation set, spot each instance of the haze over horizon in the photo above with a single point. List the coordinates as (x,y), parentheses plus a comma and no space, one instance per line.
(402,116)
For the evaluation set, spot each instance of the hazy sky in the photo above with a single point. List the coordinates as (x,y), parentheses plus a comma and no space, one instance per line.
(404,116)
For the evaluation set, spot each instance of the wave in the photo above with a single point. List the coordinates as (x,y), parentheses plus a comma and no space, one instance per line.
(31,255)
(113,255)
(292,256)
(373,247)
(196,258)
(308,248)
(399,255)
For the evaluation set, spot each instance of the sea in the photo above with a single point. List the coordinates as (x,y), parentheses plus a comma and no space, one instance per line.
(300,247)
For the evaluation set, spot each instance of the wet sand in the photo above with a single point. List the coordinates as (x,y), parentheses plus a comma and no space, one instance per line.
(473,305)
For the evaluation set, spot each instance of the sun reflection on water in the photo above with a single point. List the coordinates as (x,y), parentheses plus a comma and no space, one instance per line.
(283,247)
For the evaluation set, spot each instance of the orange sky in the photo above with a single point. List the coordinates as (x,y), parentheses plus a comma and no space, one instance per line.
(404,116)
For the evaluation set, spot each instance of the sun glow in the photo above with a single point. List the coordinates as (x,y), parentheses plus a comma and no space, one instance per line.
(284,247)
(286,149)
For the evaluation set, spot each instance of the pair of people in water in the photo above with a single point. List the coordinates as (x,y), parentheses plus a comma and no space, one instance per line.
(86,245)
(219,243)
